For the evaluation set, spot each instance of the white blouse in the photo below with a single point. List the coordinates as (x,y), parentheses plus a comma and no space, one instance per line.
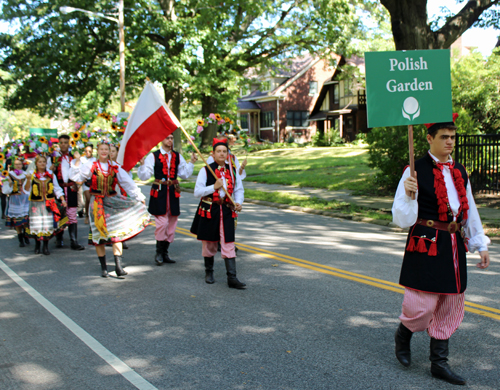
(147,170)
(201,189)
(82,173)
(405,210)
(57,188)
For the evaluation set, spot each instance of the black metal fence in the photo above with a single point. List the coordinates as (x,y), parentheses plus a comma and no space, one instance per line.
(480,154)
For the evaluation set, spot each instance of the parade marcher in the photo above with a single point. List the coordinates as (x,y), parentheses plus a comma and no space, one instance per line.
(18,205)
(443,221)
(60,166)
(113,217)
(215,217)
(232,158)
(46,218)
(166,165)
(113,154)
(88,155)
(3,196)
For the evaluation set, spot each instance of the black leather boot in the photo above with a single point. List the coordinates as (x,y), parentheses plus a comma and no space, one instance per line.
(209,270)
(26,238)
(166,259)
(159,253)
(73,236)
(118,267)
(439,363)
(232,280)
(37,247)
(403,338)
(104,267)
(45,248)
(59,240)
(20,237)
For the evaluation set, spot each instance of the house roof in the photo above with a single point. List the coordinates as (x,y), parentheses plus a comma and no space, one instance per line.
(244,105)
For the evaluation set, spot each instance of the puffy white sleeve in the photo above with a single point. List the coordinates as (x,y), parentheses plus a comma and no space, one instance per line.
(81,172)
(57,188)
(404,209)
(238,192)
(129,185)
(237,163)
(210,160)
(185,168)
(473,227)
(201,189)
(144,172)
(7,187)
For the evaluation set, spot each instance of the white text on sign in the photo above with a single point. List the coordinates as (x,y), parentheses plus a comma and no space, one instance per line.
(408,64)
(411,65)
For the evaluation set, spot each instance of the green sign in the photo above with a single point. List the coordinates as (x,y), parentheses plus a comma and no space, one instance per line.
(408,87)
(44,132)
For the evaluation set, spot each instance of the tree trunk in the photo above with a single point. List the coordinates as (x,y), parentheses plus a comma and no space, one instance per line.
(173,99)
(208,106)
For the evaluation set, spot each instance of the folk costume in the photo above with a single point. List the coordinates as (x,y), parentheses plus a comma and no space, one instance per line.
(47,217)
(214,220)
(164,203)
(113,217)
(232,160)
(18,205)
(444,224)
(61,166)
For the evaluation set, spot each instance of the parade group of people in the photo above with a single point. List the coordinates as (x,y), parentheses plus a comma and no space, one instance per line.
(436,204)
(43,201)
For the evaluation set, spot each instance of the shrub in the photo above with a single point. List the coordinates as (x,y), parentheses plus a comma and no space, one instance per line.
(388,152)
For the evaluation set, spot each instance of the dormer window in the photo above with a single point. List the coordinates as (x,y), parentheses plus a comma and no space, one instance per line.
(266,86)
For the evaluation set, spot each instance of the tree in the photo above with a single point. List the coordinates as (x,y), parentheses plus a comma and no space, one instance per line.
(412,30)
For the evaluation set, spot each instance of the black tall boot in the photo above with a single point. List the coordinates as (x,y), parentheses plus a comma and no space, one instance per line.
(45,248)
(209,270)
(104,267)
(232,280)
(59,239)
(20,237)
(73,236)
(439,363)
(166,259)
(159,253)
(26,238)
(403,338)
(118,267)
(37,247)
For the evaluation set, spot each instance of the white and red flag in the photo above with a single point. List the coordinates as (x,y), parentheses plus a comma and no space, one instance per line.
(150,123)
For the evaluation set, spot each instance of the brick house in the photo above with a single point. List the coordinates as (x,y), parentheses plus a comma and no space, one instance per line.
(305,97)
(341,105)
(279,105)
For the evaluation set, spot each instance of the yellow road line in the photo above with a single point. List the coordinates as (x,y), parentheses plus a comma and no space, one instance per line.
(383,284)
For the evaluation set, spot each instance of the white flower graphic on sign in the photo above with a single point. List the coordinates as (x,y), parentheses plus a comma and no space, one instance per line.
(411,108)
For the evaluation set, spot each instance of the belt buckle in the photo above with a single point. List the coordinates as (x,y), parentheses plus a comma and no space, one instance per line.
(452,227)
(429,223)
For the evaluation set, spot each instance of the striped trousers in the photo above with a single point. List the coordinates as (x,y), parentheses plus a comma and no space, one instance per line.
(439,314)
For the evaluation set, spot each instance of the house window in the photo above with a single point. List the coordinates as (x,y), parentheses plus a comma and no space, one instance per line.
(297,118)
(266,119)
(325,106)
(244,121)
(347,88)
(313,87)
(336,94)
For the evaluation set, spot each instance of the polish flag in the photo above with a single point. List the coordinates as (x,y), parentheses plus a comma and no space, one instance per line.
(150,123)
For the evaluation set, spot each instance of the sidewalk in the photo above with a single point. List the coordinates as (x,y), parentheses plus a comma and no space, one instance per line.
(489,216)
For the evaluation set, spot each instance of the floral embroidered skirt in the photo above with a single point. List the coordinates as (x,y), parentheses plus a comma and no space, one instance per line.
(42,222)
(116,219)
(17,210)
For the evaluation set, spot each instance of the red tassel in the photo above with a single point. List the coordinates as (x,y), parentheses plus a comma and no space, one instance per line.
(411,245)
(433,249)
(202,213)
(152,192)
(421,245)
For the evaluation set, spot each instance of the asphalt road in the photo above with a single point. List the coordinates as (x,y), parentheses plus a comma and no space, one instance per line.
(309,319)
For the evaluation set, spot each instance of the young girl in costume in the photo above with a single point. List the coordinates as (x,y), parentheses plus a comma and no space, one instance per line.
(46,217)
(18,205)
(113,217)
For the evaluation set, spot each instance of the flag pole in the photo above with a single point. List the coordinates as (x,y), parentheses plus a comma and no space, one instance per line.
(412,156)
(205,161)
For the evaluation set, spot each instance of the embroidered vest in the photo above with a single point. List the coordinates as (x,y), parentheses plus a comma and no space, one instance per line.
(103,185)
(159,193)
(41,190)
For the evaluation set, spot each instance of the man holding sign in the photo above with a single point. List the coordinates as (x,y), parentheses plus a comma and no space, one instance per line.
(443,221)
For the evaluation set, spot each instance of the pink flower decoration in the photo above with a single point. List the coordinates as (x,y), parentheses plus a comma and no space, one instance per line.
(212,116)
(77,126)
(114,118)
(125,123)
(199,129)
(221,122)
(193,137)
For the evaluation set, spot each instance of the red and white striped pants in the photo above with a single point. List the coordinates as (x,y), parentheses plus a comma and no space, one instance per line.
(440,314)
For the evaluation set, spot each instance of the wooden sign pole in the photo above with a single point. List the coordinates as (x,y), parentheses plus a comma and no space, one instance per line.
(412,156)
